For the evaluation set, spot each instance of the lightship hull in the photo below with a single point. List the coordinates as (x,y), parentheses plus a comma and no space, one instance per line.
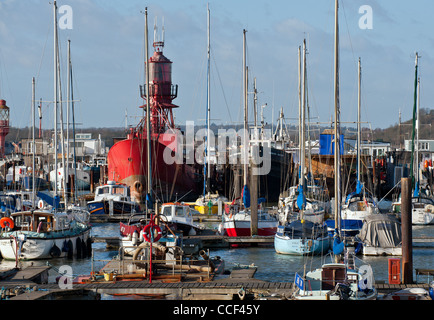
(127,164)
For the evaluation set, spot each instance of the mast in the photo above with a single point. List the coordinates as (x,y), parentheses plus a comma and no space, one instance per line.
(62,136)
(148,115)
(245,153)
(301,195)
(414,118)
(359,140)
(40,118)
(299,105)
(207,165)
(417,162)
(73,127)
(303,120)
(68,101)
(33,143)
(337,120)
(55,96)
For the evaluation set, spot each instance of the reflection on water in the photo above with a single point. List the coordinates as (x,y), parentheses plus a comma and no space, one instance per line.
(271,266)
(281,268)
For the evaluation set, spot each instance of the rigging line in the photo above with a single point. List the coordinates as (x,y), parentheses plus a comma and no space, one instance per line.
(199,88)
(223,92)
(7,77)
(43,54)
(349,36)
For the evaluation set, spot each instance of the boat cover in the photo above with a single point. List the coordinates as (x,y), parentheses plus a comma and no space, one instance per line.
(381,230)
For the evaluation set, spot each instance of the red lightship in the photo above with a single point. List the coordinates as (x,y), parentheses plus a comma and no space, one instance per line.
(127,158)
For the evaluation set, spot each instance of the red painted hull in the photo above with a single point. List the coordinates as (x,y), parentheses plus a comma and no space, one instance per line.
(127,164)
(245,232)
(242,228)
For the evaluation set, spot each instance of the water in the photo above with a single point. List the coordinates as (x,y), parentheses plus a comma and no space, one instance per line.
(280,268)
(271,266)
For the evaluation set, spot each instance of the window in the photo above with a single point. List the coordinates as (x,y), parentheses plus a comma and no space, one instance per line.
(166,212)
(103,190)
(118,190)
(62,223)
(423,145)
(179,212)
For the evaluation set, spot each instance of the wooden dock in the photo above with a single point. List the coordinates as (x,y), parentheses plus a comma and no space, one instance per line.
(29,276)
(224,289)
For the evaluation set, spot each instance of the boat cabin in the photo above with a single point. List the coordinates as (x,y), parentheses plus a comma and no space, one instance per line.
(176,212)
(113,191)
(327,277)
(40,221)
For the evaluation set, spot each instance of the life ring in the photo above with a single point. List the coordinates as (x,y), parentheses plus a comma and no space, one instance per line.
(152,228)
(41,204)
(8,221)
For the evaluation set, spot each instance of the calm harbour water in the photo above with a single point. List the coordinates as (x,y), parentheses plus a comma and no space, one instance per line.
(271,266)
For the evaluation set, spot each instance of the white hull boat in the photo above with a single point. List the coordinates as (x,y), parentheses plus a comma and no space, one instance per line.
(43,235)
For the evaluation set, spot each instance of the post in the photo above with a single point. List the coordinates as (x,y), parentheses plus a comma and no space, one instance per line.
(407,246)
(254,201)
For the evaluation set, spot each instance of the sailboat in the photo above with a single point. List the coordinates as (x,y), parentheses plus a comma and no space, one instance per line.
(359,204)
(340,279)
(44,232)
(422,206)
(306,198)
(208,203)
(237,222)
(307,234)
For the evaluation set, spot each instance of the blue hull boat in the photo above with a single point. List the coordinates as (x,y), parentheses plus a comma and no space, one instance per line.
(299,238)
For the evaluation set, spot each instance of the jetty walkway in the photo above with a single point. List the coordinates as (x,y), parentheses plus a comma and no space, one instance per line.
(239,285)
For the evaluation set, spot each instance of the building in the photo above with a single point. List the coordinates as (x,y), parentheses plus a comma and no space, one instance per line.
(86,148)
(426,148)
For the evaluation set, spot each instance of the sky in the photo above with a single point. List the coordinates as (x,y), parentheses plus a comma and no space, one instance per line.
(107,51)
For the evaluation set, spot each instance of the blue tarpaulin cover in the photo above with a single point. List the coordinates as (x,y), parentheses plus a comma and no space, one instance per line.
(246,196)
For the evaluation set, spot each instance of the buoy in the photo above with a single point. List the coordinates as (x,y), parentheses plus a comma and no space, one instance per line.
(70,249)
(135,238)
(55,252)
(65,246)
(89,247)
(83,249)
(78,248)
(6,221)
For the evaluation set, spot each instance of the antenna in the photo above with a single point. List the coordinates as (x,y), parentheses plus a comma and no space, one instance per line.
(155,29)
(162,31)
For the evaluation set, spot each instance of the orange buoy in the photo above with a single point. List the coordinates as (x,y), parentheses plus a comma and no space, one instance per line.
(7,221)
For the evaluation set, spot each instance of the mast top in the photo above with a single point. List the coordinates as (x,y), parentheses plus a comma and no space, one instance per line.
(158,43)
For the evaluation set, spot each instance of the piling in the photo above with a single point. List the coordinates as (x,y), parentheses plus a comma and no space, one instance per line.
(406,224)
(254,203)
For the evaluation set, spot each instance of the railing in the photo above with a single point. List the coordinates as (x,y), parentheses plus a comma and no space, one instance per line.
(124,266)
